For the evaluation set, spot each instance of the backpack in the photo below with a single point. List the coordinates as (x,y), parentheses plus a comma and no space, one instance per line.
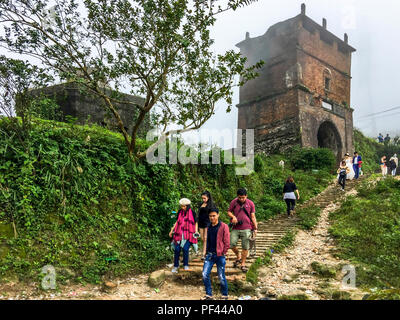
(392,164)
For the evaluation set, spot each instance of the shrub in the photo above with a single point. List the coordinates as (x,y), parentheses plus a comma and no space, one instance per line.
(312,159)
(309,216)
(79,203)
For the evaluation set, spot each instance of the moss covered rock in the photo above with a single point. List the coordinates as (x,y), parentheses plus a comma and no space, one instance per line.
(323,270)
(341,295)
(297,296)
(156,279)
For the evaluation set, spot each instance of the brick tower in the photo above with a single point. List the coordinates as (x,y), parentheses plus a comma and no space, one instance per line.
(302,96)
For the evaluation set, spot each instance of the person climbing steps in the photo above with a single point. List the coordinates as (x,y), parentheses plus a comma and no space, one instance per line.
(243,220)
(342,173)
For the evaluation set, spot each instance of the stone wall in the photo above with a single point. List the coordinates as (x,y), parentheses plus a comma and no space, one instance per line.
(275,121)
(90,108)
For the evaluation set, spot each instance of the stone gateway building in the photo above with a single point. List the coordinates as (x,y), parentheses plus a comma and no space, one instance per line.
(302,96)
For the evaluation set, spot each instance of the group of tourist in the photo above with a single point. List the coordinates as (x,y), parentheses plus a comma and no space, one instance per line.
(218,237)
(382,139)
(349,169)
(391,165)
(215,234)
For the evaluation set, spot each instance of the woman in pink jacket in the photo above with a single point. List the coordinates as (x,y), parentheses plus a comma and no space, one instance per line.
(183,233)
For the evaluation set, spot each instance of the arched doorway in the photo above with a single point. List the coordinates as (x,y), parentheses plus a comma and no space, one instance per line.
(328,137)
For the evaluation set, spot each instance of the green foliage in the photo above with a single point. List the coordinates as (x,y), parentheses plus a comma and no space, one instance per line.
(285,242)
(323,270)
(312,159)
(16,78)
(252,273)
(270,206)
(389,294)
(308,216)
(341,295)
(293,297)
(367,230)
(258,163)
(370,151)
(80,204)
(46,108)
(170,62)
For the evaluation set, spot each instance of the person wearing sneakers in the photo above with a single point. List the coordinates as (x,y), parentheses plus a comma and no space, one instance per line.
(343,171)
(288,195)
(244,226)
(218,243)
(183,233)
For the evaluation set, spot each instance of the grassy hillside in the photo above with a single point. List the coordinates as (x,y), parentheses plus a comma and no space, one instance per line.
(367,228)
(79,204)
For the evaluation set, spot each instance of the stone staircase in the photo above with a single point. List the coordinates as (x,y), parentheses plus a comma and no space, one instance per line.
(269,233)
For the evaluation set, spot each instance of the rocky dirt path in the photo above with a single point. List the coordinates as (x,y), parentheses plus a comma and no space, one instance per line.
(290,273)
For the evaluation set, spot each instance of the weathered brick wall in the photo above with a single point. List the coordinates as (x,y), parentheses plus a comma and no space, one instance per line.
(90,108)
(320,42)
(277,49)
(275,121)
(349,143)
(314,79)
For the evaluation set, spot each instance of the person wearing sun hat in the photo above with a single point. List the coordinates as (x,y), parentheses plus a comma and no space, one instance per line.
(183,233)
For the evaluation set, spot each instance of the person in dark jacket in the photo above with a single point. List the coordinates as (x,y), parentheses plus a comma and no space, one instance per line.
(218,243)
(288,195)
(203,219)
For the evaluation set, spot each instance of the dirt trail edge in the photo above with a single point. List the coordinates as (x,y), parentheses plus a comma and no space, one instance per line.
(309,268)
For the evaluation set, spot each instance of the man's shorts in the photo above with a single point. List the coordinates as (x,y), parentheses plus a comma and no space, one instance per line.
(245,235)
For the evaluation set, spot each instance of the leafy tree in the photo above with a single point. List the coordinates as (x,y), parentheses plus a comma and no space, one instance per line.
(157,49)
(16,78)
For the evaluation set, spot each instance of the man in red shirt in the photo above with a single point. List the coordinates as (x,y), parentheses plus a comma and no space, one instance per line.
(243,218)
